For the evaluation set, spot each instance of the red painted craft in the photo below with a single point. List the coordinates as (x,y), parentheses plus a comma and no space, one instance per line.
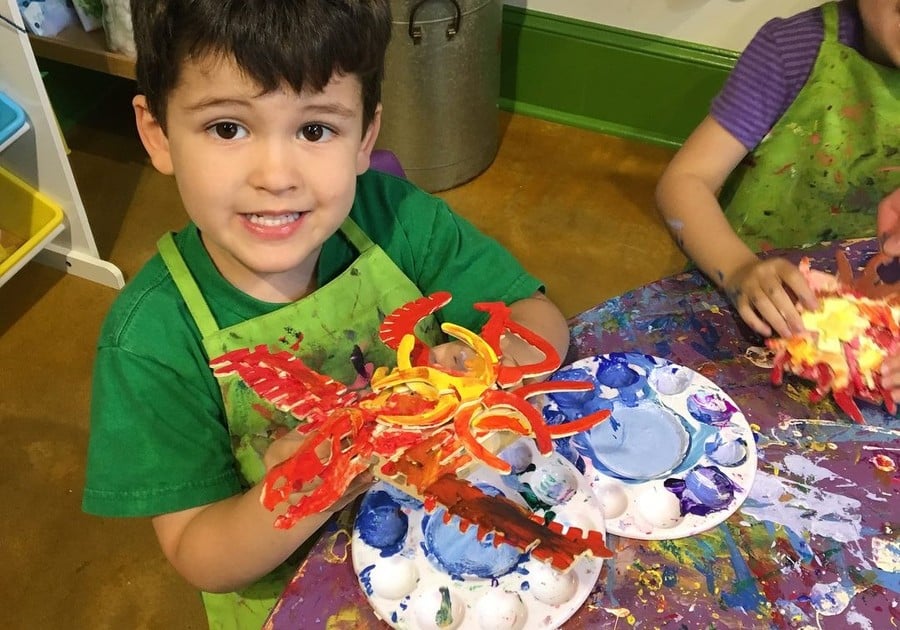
(856,325)
(420,428)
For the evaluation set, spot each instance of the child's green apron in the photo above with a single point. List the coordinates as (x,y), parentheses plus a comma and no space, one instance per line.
(330,325)
(822,169)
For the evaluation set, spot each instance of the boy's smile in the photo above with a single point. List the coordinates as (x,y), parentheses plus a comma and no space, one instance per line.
(266,177)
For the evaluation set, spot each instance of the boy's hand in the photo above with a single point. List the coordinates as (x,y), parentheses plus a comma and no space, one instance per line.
(759,291)
(454,354)
(890,376)
(889,224)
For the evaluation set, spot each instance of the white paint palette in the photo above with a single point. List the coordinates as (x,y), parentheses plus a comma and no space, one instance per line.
(421,574)
(675,458)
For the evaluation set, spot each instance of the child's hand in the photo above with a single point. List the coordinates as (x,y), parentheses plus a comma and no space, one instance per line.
(760,293)
(890,376)
(452,355)
(889,224)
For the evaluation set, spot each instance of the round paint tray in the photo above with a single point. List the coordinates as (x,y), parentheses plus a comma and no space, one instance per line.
(675,458)
(420,573)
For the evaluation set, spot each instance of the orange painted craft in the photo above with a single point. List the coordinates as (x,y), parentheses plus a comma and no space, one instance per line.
(420,428)
(855,327)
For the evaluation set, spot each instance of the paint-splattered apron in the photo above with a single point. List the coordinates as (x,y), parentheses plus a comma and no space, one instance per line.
(822,169)
(332,329)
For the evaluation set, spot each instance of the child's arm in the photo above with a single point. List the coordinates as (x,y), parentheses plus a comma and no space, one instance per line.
(889,224)
(889,236)
(687,198)
(890,376)
(542,317)
(228,545)
(538,314)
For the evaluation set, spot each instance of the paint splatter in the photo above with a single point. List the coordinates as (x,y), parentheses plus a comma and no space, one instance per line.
(830,599)
(804,509)
(886,554)
(884,463)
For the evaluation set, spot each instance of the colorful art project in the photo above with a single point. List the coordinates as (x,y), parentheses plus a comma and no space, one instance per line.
(421,429)
(856,325)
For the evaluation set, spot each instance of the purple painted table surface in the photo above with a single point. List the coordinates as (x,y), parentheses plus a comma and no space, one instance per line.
(815,545)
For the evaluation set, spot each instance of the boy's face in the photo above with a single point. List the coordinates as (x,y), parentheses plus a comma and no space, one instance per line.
(267,178)
(881,21)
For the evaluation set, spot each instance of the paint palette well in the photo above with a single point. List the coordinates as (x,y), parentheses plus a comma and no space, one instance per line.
(675,458)
(421,574)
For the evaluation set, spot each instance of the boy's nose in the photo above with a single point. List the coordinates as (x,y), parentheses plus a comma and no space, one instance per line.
(275,167)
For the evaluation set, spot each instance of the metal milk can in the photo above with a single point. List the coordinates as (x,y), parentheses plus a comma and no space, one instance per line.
(441,86)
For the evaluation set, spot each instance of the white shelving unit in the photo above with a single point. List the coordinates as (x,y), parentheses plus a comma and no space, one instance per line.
(39,158)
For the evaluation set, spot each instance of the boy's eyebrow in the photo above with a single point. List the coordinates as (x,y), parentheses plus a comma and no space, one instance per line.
(330,108)
(316,108)
(216,102)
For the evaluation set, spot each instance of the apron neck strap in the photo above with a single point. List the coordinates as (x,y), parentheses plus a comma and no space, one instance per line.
(186,284)
(831,20)
(356,236)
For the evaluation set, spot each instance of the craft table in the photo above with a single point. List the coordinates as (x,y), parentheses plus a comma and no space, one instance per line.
(814,546)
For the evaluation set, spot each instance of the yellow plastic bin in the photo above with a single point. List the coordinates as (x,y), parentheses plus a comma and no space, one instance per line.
(29,220)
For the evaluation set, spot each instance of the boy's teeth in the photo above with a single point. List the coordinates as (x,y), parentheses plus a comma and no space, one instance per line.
(270,220)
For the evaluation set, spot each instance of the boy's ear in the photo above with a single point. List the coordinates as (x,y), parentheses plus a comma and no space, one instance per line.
(152,136)
(363,157)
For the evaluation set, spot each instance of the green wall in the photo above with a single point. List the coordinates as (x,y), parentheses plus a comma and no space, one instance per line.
(607,79)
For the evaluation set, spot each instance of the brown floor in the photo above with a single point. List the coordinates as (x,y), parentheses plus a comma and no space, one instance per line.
(575,206)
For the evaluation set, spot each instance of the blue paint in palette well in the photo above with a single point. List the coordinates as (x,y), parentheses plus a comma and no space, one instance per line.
(382,523)
(461,553)
(646,441)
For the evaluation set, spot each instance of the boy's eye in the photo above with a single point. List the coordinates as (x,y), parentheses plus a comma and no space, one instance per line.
(226,130)
(314,133)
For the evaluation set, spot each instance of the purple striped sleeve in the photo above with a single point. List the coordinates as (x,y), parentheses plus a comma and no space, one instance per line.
(773,69)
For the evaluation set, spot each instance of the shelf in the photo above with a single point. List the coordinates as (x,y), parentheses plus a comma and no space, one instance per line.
(41,213)
(76,46)
(29,215)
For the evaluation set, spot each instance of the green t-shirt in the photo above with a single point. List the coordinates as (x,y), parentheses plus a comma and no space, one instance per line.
(159,441)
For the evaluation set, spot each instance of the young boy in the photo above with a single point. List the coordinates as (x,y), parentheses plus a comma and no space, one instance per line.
(266,114)
(814,102)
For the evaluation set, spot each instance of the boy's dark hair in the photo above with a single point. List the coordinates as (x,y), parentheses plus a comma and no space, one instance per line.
(298,42)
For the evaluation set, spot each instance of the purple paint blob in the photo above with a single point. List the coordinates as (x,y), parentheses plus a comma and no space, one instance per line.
(710,408)
(705,489)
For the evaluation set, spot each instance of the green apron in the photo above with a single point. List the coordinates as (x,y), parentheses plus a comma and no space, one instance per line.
(325,328)
(819,174)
